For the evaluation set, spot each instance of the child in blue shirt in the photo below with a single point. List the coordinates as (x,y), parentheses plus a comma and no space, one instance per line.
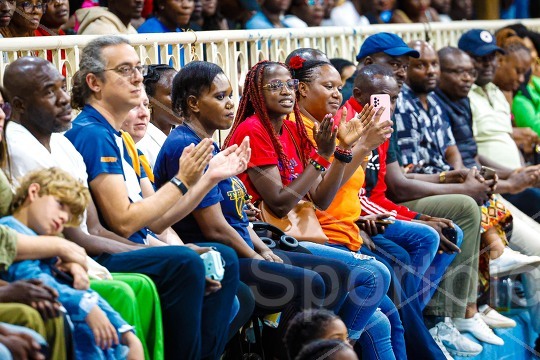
(45,202)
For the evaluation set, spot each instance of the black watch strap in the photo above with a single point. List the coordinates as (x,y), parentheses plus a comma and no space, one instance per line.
(180,185)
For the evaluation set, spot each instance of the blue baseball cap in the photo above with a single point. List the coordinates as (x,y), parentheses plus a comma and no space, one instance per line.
(478,43)
(388,43)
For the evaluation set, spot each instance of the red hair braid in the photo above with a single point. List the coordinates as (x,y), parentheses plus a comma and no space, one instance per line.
(252,102)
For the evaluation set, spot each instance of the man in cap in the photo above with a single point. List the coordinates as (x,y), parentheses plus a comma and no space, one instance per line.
(491,117)
(385,49)
(384,177)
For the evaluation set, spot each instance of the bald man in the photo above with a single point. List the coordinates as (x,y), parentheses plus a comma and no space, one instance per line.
(41,110)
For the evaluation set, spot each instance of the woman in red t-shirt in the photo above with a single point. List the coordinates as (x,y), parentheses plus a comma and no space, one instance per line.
(285,167)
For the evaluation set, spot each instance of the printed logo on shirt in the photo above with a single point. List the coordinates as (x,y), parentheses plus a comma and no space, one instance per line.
(109,159)
(292,164)
(238,195)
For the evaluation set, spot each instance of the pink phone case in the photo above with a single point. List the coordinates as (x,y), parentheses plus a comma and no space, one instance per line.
(382,100)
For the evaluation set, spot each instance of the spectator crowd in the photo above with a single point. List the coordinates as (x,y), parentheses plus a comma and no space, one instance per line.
(411,180)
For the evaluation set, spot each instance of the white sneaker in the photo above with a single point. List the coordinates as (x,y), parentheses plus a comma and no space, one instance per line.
(494,319)
(512,262)
(452,342)
(478,328)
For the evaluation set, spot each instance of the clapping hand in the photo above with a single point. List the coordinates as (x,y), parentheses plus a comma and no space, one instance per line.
(325,135)
(193,161)
(231,161)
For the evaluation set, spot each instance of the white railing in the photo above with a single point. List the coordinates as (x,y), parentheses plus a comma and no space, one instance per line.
(236,50)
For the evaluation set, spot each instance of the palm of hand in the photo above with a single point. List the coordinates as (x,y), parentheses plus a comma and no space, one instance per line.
(350,131)
(225,166)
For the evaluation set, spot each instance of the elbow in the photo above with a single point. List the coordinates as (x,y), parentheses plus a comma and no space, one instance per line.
(123,230)
(323,205)
(280,211)
(396,194)
(158,228)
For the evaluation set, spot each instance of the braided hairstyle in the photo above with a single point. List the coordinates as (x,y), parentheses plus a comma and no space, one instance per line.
(252,102)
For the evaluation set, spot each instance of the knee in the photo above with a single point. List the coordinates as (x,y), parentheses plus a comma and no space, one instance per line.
(469,208)
(230,258)
(431,238)
(372,274)
(378,326)
(383,275)
(318,288)
(181,258)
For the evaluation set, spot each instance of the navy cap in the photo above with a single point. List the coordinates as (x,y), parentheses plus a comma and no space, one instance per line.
(388,43)
(478,43)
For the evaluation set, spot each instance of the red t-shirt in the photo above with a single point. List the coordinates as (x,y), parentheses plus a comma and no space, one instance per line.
(263,152)
(377,202)
(41,31)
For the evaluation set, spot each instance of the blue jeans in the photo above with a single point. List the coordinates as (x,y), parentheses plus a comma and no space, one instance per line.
(368,283)
(5,354)
(383,325)
(195,326)
(412,247)
(419,343)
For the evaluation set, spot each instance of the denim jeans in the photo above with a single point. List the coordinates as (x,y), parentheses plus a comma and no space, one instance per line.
(5,354)
(384,324)
(368,284)
(461,279)
(193,324)
(412,247)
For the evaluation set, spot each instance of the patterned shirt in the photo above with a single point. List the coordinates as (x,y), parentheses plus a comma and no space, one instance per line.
(423,135)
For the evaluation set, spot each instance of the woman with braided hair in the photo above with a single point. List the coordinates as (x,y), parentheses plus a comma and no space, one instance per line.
(285,167)
(285,282)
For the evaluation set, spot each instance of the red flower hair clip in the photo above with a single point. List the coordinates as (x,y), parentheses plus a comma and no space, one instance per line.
(296,62)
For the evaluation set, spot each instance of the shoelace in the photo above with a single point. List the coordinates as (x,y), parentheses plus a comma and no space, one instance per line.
(453,331)
(483,325)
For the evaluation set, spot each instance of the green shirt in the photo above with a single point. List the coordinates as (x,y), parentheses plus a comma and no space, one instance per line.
(527,111)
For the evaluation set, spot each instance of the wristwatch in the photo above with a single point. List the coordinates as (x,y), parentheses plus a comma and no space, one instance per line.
(180,185)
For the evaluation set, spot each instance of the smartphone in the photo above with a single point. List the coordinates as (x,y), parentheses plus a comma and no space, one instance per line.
(487,172)
(382,100)
(451,234)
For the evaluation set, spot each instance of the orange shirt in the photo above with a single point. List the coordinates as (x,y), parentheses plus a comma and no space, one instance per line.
(338,221)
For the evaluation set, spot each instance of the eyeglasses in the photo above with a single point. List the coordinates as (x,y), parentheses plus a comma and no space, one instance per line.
(315,2)
(128,70)
(6,108)
(275,85)
(486,58)
(460,72)
(28,7)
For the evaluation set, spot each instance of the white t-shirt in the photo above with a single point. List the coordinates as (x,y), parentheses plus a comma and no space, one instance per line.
(346,15)
(26,154)
(151,143)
